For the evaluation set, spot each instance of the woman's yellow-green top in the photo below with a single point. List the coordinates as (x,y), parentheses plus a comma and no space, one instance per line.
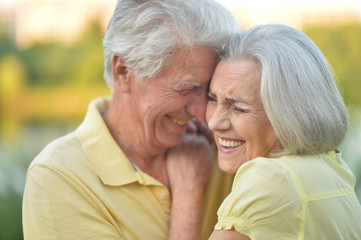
(293,197)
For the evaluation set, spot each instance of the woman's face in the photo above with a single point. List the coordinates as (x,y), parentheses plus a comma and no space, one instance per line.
(235,114)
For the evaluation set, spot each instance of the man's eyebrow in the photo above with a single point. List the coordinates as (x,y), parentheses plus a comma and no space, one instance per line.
(186,84)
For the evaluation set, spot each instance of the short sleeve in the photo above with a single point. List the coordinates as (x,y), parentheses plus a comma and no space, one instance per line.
(264,203)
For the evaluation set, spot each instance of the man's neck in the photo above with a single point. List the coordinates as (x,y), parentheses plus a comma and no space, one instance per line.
(150,160)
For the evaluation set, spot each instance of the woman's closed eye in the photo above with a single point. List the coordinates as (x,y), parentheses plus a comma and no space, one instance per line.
(212,99)
(239,109)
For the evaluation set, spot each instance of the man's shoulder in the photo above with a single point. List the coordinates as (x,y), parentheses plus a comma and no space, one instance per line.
(60,152)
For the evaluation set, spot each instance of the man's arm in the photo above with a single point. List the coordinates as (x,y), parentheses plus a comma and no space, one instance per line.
(189,167)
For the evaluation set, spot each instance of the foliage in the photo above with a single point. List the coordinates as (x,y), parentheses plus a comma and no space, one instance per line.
(10,216)
(52,64)
(341,46)
(50,81)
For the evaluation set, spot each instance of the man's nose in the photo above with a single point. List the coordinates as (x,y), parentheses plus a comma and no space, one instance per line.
(197,106)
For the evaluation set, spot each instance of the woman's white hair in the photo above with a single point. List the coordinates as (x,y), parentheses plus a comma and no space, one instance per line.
(145,33)
(298,88)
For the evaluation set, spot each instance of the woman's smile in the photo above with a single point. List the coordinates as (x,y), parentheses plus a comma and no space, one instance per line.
(228,145)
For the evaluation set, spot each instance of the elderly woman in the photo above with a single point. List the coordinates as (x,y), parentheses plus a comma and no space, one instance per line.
(278,118)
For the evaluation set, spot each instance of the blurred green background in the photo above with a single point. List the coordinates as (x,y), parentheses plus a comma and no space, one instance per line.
(46,85)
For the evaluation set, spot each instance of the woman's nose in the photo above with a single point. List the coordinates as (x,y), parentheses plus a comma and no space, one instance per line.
(219,120)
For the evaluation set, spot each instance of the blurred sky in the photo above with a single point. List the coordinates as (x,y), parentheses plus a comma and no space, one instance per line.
(266,10)
(35,19)
(311,5)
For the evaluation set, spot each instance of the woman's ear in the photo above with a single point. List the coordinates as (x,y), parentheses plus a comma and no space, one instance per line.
(121,74)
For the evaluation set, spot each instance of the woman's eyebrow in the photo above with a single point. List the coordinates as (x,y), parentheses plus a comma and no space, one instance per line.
(210,93)
(227,99)
(235,100)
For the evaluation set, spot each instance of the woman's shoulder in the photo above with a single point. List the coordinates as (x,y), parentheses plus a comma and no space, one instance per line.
(262,169)
(265,177)
(263,195)
(306,174)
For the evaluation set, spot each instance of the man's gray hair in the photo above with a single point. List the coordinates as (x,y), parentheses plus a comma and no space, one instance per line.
(298,88)
(145,33)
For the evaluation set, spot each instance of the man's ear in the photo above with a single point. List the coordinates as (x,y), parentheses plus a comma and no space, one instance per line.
(121,74)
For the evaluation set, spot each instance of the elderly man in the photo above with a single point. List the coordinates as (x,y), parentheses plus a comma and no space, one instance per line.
(109,178)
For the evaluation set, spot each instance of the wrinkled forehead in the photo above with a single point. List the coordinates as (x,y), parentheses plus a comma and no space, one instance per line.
(237,79)
(190,65)
(243,71)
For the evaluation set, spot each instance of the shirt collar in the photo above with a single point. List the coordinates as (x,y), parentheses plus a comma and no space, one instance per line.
(109,161)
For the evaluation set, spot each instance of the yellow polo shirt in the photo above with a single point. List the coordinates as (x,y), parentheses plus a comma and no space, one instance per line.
(82,186)
(293,197)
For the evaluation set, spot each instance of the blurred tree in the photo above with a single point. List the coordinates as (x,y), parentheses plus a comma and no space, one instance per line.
(88,68)
(12,80)
(47,63)
(10,216)
(52,64)
(6,45)
(341,46)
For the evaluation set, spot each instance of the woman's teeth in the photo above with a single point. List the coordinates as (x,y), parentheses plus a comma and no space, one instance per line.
(226,143)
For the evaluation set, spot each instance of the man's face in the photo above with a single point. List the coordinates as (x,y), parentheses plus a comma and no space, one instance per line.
(163,106)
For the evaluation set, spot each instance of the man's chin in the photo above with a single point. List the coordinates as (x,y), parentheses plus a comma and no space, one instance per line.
(173,140)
